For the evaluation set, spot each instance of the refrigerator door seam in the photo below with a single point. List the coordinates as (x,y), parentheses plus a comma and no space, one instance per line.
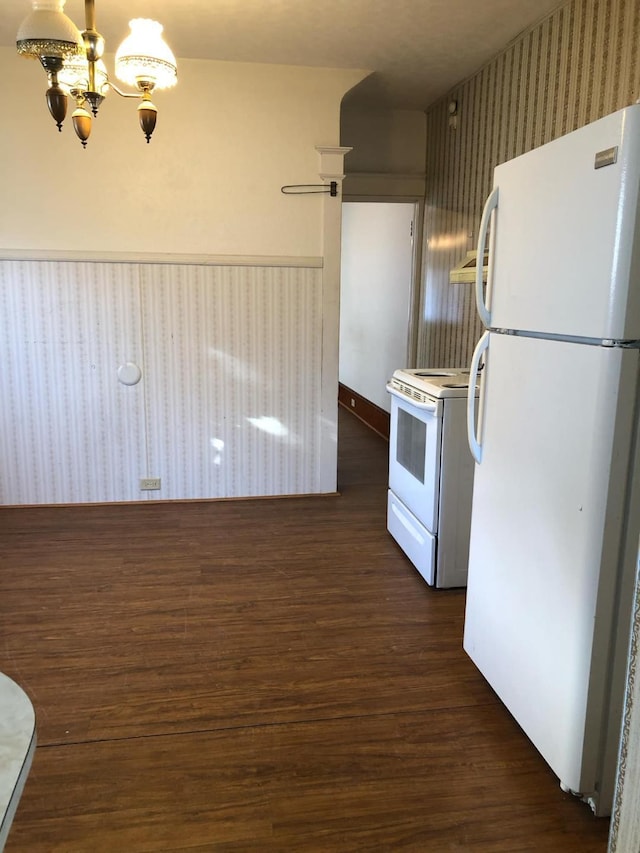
(572,339)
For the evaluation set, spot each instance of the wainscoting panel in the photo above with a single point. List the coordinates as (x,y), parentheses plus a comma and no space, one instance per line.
(229,400)
(69,431)
(233,379)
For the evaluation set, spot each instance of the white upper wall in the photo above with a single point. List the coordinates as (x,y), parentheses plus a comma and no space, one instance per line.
(228,137)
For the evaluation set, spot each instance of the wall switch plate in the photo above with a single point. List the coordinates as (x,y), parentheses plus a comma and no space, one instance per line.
(150,484)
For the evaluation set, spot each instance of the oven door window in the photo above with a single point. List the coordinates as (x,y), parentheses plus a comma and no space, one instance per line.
(414,459)
(411,444)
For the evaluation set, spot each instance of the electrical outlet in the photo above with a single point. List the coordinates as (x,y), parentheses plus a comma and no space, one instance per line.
(150,484)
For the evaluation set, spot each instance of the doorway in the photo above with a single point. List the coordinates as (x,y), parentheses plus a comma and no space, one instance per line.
(377,295)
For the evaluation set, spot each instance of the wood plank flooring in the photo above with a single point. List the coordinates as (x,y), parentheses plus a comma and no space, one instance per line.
(260,675)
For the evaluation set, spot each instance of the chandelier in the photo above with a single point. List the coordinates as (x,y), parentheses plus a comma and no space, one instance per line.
(74,66)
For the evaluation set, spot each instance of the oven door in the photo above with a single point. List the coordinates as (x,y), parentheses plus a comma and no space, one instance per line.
(414,456)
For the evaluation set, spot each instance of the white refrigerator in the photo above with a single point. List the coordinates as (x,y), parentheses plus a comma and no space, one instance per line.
(556,500)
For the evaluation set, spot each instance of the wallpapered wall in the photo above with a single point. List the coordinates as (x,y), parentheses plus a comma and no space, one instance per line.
(227,405)
(577,65)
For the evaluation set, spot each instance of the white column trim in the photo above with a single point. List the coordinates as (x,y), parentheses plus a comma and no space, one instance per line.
(332,161)
(331,169)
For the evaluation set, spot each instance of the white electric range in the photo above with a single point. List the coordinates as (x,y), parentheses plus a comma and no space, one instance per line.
(431,472)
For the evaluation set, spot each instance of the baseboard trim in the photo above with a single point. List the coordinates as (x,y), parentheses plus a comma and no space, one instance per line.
(84,504)
(373,416)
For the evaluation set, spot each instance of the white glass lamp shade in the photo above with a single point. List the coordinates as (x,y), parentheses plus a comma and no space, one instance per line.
(47,31)
(75,75)
(145,57)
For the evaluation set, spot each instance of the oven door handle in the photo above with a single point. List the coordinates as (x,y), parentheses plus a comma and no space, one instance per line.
(425,407)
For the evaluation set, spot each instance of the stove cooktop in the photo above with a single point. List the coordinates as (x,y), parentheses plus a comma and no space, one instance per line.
(437,382)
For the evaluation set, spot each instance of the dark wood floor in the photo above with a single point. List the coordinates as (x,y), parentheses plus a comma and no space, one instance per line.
(259,676)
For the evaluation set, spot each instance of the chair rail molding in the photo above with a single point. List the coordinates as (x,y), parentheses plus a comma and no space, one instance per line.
(301,262)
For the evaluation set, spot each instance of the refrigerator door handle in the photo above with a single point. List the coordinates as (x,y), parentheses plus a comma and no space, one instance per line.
(474,444)
(483,306)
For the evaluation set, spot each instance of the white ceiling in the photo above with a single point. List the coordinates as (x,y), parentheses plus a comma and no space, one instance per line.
(417,49)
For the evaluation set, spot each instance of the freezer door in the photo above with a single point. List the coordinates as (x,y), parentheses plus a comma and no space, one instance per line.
(548,522)
(566,236)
